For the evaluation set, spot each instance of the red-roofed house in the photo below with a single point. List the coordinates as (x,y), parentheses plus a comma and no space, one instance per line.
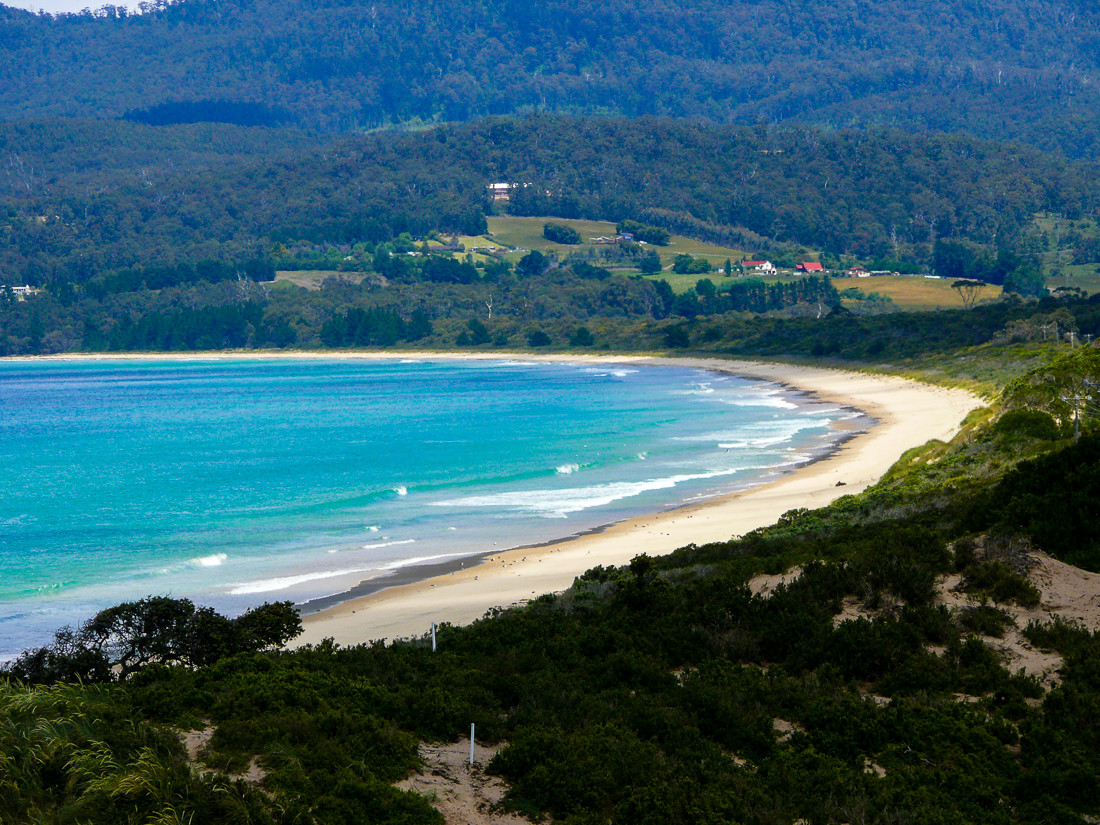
(858,272)
(809,266)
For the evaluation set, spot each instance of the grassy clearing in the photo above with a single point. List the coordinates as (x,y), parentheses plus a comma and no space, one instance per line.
(1083,276)
(679,245)
(312,279)
(915,292)
(482,242)
(526,233)
(681,283)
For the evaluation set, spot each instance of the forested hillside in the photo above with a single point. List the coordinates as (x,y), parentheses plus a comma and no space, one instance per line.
(1011,69)
(81,199)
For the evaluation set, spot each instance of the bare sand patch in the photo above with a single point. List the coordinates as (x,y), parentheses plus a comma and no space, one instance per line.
(464,794)
(765,583)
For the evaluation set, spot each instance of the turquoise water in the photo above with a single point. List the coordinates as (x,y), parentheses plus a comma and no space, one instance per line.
(236,482)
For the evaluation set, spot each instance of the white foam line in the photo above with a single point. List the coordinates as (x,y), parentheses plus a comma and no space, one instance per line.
(377,545)
(283,582)
(396,565)
(559,503)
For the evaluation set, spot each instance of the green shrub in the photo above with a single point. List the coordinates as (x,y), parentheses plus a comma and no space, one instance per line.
(1027,424)
(985,619)
(1001,583)
(560,233)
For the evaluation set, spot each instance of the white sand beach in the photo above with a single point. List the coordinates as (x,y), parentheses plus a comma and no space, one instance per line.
(908,414)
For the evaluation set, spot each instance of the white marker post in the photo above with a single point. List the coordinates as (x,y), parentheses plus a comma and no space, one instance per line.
(433,637)
(471,744)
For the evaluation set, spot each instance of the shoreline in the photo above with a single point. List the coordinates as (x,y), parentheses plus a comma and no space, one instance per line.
(428,571)
(904,414)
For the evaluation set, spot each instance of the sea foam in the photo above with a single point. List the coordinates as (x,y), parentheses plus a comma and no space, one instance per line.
(378,545)
(560,503)
(285,582)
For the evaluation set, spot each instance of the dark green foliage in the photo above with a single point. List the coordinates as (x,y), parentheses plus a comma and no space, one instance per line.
(237,112)
(1027,424)
(589,272)
(120,641)
(1052,499)
(560,233)
(656,235)
(479,333)
(757,296)
(967,261)
(986,619)
(677,336)
(581,337)
(205,328)
(347,66)
(685,264)
(999,582)
(650,263)
(77,754)
(538,338)
(532,264)
(132,280)
(373,327)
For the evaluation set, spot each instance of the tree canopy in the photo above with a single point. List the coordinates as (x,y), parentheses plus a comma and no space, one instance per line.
(1017,69)
(120,641)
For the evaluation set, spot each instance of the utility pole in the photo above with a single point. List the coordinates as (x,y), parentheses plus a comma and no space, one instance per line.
(1077,399)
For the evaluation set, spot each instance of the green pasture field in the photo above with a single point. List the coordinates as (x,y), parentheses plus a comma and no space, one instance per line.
(1083,276)
(915,291)
(681,283)
(313,278)
(526,233)
(470,241)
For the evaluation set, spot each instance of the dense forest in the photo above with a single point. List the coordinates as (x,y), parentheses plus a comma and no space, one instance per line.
(1012,69)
